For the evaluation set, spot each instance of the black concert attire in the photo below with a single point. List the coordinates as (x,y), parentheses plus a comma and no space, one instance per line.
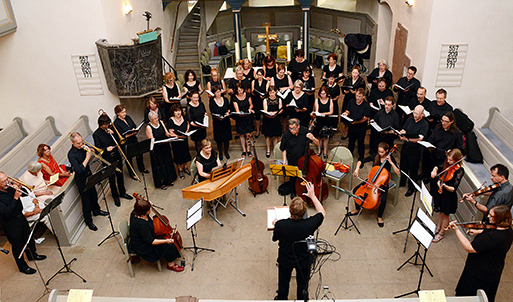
(356,132)
(191,88)
(309,89)
(483,269)
(415,101)
(293,254)
(142,234)
(502,195)
(411,152)
(374,75)
(376,95)
(222,128)
(233,81)
(335,96)
(388,167)
(436,112)
(447,202)
(243,123)
(348,95)
(15,226)
(197,115)
(296,68)
(257,98)
(160,112)
(208,163)
(443,141)
(404,97)
(181,154)
(337,70)
(249,74)
(270,72)
(89,198)
(124,126)
(162,165)
(321,122)
(374,98)
(280,83)
(301,103)
(271,126)
(103,140)
(384,119)
(171,93)
(214,84)
(295,145)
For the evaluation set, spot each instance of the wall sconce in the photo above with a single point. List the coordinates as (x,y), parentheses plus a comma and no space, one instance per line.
(127,8)
(409,2)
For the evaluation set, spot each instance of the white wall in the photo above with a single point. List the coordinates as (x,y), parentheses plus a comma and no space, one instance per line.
(487,27)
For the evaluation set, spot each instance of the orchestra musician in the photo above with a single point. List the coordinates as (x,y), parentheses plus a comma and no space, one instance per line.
(123,123)
(409,85)
(297,65)
(181,152)
(271,127)
(206,160)
(358,110)
(145,243)
(377,160)
(215,80)
(162,166)
(259,88)
(153,106)
(324,106)
(196,113)
(50,166)
(104,139)
(222,127)
(191,85)
(79,156)
(15,225)
(443,190)
(380,72)
(244,125)
(170,90)
(486,254)
(499,174)
(292,252)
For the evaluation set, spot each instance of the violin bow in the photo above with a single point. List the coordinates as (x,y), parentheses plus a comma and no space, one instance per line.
(370,184)
(446,169)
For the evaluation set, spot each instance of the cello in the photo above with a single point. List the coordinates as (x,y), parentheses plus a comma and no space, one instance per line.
(312,167)
(370,190)
(258,182)
(162,227)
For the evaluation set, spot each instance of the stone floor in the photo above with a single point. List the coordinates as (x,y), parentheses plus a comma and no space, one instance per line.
(243,265)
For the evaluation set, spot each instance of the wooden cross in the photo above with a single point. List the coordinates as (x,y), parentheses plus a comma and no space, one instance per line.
(268,37)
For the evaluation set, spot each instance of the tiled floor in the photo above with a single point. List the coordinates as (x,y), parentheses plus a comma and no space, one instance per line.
(243,265)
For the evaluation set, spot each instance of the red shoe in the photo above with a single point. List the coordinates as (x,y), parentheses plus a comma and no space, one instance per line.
(175,268)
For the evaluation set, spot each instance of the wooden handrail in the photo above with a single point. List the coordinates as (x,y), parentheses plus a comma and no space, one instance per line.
(174,28)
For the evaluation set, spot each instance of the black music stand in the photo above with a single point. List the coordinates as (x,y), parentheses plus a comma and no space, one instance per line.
(284,171)
(410,221)
(97,178)
(194,214)
(347,216)
(134,150)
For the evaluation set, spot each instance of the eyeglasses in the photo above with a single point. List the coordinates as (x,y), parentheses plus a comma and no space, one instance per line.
(445,122)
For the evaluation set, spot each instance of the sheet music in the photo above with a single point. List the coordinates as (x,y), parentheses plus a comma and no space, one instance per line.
(53,179)
(205,122)
(194,214)
(293,104)
(152,143)
(426,113)
(374,107)
(346,117)
(80,295)
(421,234)
(376,126)
(427,199)
(268,113)
(278,213)
(284,94)
(406,109)
(432,296)
(171,139)
(219,116)
(426,144)
(414,183)
(426,220)
(188,133)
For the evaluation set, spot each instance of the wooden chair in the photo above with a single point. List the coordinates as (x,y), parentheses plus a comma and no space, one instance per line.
(194,170)
(342,155)
(123,228)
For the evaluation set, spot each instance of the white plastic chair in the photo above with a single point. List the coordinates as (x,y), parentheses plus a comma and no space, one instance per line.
(342,155)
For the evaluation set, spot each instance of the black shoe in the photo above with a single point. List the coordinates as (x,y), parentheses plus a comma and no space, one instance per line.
(381,224)
(91,226)
(292,195)
(409,193)
(36,257)
(28,271)
(189,172)
(220,156)
(126,196)
(101,213)
(117,202)
(227,155)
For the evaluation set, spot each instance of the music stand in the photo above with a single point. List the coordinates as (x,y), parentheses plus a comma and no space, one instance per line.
(134,150)
(194,214)
(423,229)
(284,171)
(348,215)
(97,178)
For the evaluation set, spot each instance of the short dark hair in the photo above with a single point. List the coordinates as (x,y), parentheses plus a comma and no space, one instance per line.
(332,56)
(217,88)
(294,121)
(502,170)
(502,215)
(141,207)
(442,91)
(103,120)
(187,73)
(175,107)
(299,53)
(119,108)
(297,208)
(413,68)
(325,89)
(382,80)
(391,99)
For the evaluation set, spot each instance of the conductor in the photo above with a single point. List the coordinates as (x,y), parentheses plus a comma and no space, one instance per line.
(292,253)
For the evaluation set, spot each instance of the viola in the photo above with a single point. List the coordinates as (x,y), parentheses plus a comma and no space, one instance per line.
(483,190)
(448,173)
(370,191)
(344,168)
(312,167)
(162,227)
(258,182)
(475,225)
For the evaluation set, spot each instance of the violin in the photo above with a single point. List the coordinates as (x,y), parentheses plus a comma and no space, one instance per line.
(344,168)
(448,173)
(475,225)
(483,190)
(258,182)
(370,191)
(162,227)
(312,167)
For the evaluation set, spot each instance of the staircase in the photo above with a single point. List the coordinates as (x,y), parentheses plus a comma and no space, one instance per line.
(187,56)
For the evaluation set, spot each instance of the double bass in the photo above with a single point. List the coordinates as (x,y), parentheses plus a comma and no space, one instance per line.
(312,167)
(370,190)
(258,182)
(162,227)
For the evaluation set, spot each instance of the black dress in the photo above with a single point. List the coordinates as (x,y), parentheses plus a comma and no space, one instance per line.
(447,202)
(301,102)
(191,88)
(322,122)
(208,163)
(197,114)
(280,83)
(171,93)
(271,127)
(309,84)
(270,72)
(337,70)
(334,92)
(257,98)
(142,235)
(243,123)
(214,84)
(250,75)
(180,149)
(162,166)
(222,128)
(374,75)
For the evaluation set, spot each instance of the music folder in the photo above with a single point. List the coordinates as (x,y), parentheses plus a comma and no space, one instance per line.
(278,213)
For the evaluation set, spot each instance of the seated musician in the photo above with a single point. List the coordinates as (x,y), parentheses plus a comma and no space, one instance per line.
(50,166)
(145,243)
(32,207)
(502,195)
(206,160)
(378,159)
(34,177)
